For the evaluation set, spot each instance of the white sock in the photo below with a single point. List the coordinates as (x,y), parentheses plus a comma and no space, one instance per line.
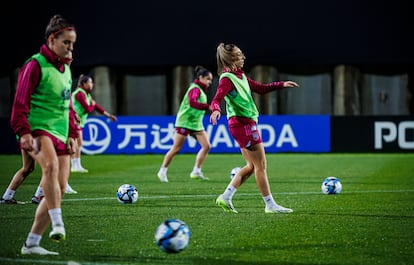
(79,163)
(196,169)
(75,162)
(39,192)
(8,194)
(33,240)
(269,201)
(163,170)
(229,192)
(56,217)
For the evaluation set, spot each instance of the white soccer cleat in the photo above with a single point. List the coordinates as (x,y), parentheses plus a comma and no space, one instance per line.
(36,250)
(70,190)
(162,177)
(198,175)
(58,233)
(79,170)
(277,209)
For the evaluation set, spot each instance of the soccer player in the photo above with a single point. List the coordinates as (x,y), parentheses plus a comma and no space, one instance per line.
(83,104)
(28,165)
(242,114)
(189,121)
(41,119)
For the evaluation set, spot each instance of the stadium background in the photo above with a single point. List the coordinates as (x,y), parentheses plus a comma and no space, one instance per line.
(352,58)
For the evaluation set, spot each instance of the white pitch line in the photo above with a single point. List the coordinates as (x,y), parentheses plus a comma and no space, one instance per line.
(156,197)
(43,261)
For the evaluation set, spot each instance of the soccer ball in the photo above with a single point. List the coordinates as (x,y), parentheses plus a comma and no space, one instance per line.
(331,185)
(127,193)
(172,236)
(234,171)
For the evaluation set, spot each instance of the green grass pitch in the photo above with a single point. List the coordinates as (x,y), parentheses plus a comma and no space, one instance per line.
(370,222)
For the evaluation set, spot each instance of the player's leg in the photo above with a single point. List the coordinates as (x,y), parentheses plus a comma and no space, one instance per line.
(76,157)
(28,165)
(258,158)
(169,156)
(49,209)
(202,139)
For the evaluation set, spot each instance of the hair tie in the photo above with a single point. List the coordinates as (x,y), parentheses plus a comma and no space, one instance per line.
(62,29)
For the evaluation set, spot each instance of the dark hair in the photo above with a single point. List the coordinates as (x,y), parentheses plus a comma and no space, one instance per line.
(56,25)
(83,79)
(200,70)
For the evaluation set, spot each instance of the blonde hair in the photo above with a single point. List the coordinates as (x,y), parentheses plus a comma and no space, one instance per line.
(226,57)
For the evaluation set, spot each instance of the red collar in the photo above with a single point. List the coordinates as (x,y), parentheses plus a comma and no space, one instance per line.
(196,81)
(53,57)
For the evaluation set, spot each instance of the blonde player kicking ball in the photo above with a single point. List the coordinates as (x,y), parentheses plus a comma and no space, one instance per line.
(235,88)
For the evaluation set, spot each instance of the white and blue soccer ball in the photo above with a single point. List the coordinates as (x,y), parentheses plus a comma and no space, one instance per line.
(172,236)
(234,172)
(127,193)
(331,185)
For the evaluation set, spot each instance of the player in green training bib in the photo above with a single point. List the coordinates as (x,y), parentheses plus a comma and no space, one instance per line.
(189,121)
(236,88)
(44,124)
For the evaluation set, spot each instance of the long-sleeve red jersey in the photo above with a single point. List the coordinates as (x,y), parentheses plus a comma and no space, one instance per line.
(28,79)
(226,86)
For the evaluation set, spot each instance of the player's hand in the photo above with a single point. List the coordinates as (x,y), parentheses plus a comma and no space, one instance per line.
(290,84)
(214,117)
(113,117)
(77,119)
(29,144)
(72,145)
